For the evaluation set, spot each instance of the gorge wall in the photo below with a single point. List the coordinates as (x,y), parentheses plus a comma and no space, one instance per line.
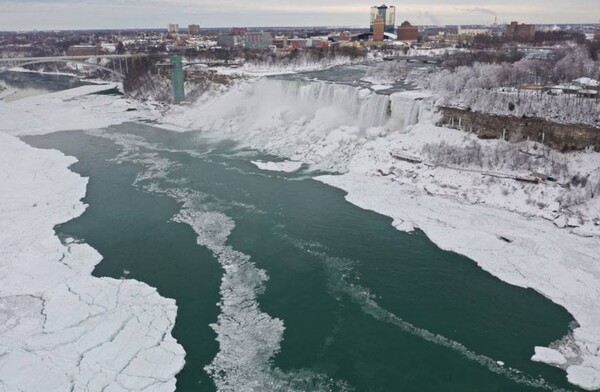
(563,137)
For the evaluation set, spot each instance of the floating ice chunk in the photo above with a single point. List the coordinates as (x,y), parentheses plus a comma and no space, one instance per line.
(549,356)
(285,166)
(405,226)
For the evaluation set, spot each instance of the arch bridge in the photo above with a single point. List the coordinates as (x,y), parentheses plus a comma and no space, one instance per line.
(120,64)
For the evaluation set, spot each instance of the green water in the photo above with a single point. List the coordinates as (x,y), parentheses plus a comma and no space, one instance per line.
(45,82)
(363,304)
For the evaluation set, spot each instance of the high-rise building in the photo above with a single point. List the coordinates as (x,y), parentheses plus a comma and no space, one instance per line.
(173,28)
(379,29)
(388,13)
(257,40)
(194,29)
(229,40)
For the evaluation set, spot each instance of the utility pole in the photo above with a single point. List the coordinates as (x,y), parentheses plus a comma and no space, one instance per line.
(177,78)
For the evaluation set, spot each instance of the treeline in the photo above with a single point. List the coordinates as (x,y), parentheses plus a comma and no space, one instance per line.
(511,69)
(498,88)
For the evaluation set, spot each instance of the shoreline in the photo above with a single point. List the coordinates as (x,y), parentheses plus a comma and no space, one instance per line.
(64,327)
(412,208)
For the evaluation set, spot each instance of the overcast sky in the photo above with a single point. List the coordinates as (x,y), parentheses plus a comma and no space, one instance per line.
(89,14)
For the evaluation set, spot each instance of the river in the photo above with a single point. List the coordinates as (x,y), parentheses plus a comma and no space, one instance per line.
(330,265)
(282,285)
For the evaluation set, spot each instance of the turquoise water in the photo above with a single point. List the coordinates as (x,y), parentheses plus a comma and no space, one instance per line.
(46,82)
(365,307)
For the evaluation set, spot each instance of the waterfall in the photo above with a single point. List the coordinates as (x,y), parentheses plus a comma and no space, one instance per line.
(314,122)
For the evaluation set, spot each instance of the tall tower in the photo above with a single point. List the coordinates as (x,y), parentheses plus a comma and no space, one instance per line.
(177,79)
(379,29)
(389,17)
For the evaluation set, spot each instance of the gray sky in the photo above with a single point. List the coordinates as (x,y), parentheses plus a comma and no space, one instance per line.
(80,14)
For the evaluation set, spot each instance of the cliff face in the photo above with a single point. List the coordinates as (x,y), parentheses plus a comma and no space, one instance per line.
(563,137)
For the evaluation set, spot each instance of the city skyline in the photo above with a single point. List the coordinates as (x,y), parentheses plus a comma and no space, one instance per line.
(115,14)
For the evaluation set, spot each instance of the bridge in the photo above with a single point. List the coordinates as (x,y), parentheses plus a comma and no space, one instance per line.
(119,66)
(120,63)
(417,59)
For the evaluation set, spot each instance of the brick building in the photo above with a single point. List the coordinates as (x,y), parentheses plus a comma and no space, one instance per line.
(378,29)
(520,32)
(407,32)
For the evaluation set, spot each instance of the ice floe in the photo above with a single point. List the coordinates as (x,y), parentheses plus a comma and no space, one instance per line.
(60,328)
(285,166)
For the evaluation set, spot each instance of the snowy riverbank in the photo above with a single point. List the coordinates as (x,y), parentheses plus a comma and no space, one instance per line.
(60,328)
(461,191)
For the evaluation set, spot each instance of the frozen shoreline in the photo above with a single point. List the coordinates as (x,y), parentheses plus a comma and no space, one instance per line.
(539,257)
(61,328)
(75,109)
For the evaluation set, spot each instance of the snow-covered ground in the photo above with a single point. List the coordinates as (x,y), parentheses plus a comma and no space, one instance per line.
(60,328)
(461,191)
(74,109)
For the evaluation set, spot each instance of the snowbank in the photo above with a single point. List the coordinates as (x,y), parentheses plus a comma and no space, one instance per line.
(74,109)
(62,329)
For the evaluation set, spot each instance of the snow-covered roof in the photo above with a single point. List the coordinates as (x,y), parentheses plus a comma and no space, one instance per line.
(566,87)
(587,82)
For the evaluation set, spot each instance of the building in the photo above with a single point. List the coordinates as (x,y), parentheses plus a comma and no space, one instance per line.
(389,17)
(229,40)
(173,28)
(472,32)
(299,43)
(379,29)
(257,40)
(281,42)
(194,29)
(407,32)
(520,32)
